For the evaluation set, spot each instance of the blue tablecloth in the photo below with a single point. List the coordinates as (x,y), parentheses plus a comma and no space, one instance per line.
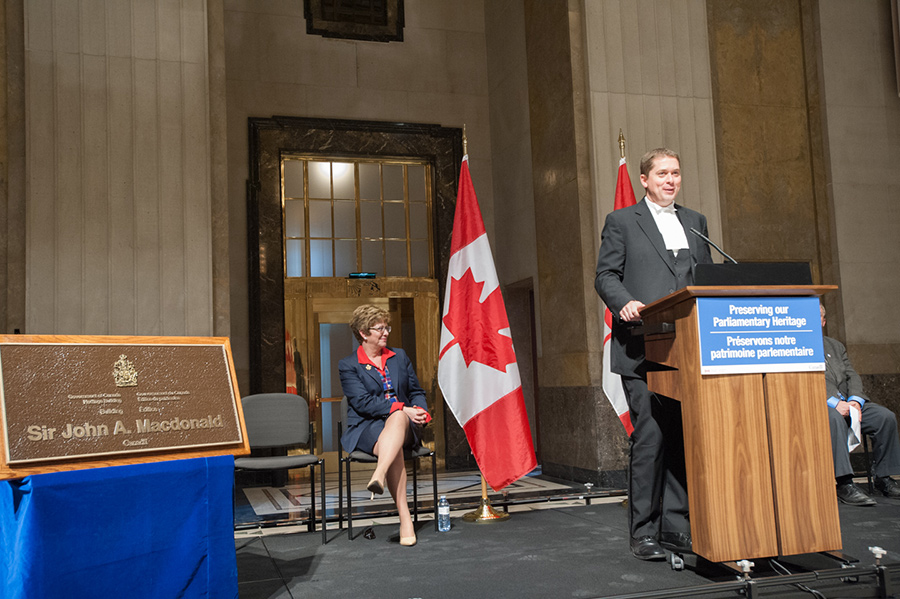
(155,530)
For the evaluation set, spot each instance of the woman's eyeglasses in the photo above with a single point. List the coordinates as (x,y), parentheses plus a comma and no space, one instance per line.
(381,329)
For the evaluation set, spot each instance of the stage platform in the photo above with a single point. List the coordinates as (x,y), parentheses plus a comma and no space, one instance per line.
(264,506)
(549,548)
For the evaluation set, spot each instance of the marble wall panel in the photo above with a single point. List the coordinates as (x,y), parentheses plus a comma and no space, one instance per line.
(461,15)
(515,205)
(288,55)
(115,249)
(7,252)
(93,31)
(122,177)
(39,35)
(119,35)
(510,133)
(169,22)
(195,43)
(504,25)
(40,145)
(882,388)
(290,8)
(96,200)
(146,35)
(582,439)
(856,34)
(870,293)
(68,201)
(861,236)
(12,154)
(862,149)
(429,60)
(146,198)
(243,48)
(763,95)
(559,255)
(218,174)
(555,187)
(862,130)
(519,299)
(66,38)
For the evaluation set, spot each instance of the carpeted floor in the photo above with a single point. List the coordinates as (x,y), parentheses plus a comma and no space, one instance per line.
(575,551)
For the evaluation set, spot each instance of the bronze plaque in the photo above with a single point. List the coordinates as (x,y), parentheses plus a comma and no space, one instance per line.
(65,401)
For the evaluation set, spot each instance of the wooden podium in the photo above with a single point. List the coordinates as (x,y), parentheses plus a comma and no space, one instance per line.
(757,446)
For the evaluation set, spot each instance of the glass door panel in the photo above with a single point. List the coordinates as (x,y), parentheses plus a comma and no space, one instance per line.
(335,343)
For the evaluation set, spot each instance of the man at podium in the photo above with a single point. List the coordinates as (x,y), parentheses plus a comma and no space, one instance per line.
(849,409)
(647,252)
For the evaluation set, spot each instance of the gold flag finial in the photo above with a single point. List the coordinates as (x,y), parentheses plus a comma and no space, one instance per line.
(621,144)
(465,142)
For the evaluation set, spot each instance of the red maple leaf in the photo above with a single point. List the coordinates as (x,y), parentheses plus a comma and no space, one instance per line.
(476,325)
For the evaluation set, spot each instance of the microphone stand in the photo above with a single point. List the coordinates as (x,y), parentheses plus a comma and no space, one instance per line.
(710,242)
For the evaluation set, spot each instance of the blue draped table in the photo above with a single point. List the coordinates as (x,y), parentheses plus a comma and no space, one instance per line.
(162,529)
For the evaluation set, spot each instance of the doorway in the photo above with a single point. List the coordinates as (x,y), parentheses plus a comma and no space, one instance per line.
(304,255)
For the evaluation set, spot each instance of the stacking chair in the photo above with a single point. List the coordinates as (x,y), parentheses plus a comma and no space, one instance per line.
(281,421)
(368,458)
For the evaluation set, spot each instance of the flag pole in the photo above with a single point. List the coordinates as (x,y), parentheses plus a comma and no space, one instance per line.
(622,157)
(485,514)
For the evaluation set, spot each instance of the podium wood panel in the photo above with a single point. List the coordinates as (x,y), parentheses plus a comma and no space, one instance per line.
(727,459)
(801,444)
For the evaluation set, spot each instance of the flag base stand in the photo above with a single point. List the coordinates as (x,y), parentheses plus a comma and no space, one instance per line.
(485,514)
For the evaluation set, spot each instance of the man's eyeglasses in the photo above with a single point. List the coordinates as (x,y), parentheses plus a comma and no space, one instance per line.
(381,329)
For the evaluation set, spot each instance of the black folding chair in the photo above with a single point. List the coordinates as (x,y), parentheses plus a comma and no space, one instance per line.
(367,458)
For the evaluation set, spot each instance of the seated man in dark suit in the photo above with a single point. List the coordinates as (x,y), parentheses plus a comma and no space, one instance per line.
(844,391)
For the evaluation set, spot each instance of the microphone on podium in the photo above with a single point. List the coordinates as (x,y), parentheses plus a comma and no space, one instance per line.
(710,242)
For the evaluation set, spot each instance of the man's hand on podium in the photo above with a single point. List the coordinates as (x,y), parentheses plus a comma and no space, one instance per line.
(632,311)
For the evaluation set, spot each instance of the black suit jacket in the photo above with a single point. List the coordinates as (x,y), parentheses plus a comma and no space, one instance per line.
(840,377)
(634,265)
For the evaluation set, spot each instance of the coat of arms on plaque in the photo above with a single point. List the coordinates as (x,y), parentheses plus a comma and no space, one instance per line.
(124,372)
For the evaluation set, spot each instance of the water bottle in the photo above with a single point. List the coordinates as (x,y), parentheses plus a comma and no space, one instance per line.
(443,514)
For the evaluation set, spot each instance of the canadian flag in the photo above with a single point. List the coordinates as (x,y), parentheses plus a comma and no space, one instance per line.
(612,382)
(477,371)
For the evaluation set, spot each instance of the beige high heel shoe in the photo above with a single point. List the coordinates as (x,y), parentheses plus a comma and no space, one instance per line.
(408,541)
(375,485)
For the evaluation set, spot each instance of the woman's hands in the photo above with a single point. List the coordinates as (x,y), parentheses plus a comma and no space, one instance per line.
(417,415)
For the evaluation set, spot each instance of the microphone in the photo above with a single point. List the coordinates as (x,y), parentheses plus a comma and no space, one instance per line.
(710,242)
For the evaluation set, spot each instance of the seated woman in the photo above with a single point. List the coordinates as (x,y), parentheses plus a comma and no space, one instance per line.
(387,407)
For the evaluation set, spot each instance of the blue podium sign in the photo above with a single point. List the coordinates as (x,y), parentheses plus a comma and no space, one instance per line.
(760,334)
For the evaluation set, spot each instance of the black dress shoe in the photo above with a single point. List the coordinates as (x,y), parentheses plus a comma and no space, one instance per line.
(647,548)
(850,494)
(676,541)
(888,487)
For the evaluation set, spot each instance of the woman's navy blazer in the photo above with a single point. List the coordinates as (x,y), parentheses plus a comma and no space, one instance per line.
(365,393)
